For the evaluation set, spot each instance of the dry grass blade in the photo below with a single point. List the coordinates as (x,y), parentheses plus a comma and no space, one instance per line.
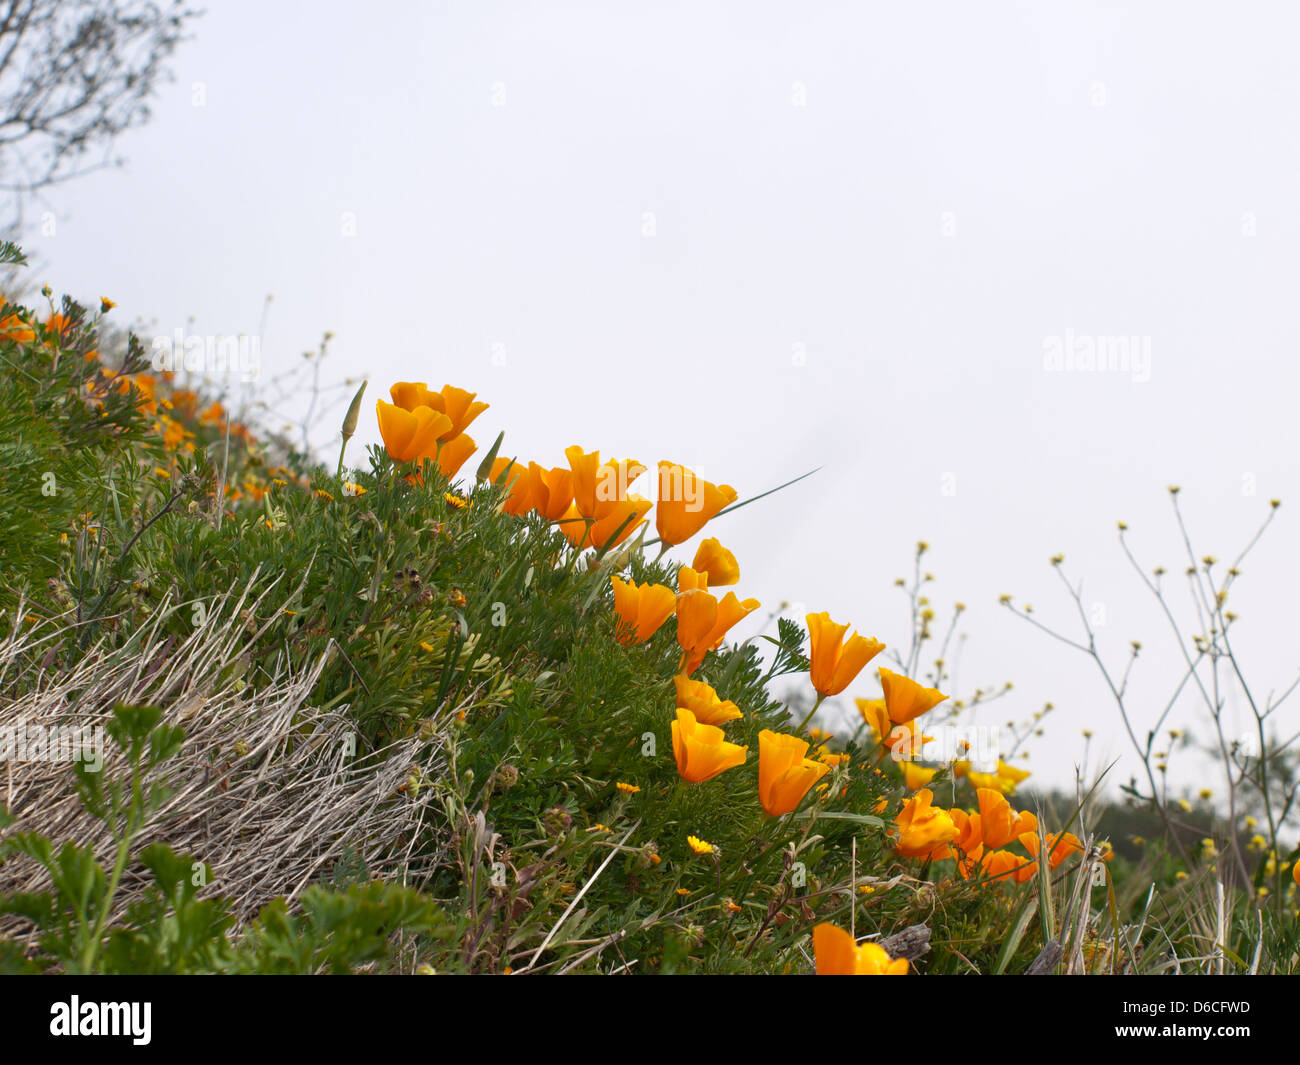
(265,790)
(613,853)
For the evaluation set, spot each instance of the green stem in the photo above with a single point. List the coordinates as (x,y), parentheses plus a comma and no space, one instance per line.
(818,703)
(91,948)
(342,448)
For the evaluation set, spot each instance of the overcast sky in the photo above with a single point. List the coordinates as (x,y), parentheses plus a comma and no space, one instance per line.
(762,237)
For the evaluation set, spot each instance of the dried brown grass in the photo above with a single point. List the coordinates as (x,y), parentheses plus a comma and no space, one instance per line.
(265,790)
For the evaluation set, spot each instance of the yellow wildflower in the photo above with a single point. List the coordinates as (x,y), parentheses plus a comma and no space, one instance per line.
(699,846)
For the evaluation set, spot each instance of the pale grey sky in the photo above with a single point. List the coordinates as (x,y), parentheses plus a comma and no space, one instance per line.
(762,237)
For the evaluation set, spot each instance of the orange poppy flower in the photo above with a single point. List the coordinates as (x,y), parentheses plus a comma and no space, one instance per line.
(690,579)
(997,819)
(1004,779)
(686,503)
(522,483)
(574,528)
(1030,841)
(922,826)
(453,453)
(784,773)
(185,402)
(991,781)
(999,823)
(457,405)
(702,701)
(58,324)
(143,384)
(641,609)
(697,614)
(717,563)
(506,473)
(1060,846)
(835,662)
(174,434)
(621,523)
(12,327)
(702,751)
(916,776)
(549,492)
(410,435)
(967,846)
(836,953)
(875,716)
(1003,865)
(903,741)
(905,699)
(599,487)
(614,528)
(703,622)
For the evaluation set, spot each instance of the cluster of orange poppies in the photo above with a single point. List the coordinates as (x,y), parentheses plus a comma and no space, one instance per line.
(588,499)
(421,424)
(975,841)
(701,749)
(785,772)
(591,503)
(893,720)
(170,408)
(700,745)
(978,842)
(20,328)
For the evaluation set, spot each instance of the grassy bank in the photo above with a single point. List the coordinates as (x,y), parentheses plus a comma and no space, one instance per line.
(438,708)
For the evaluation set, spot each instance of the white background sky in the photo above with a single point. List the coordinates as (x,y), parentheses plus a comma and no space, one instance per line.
(918,195)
